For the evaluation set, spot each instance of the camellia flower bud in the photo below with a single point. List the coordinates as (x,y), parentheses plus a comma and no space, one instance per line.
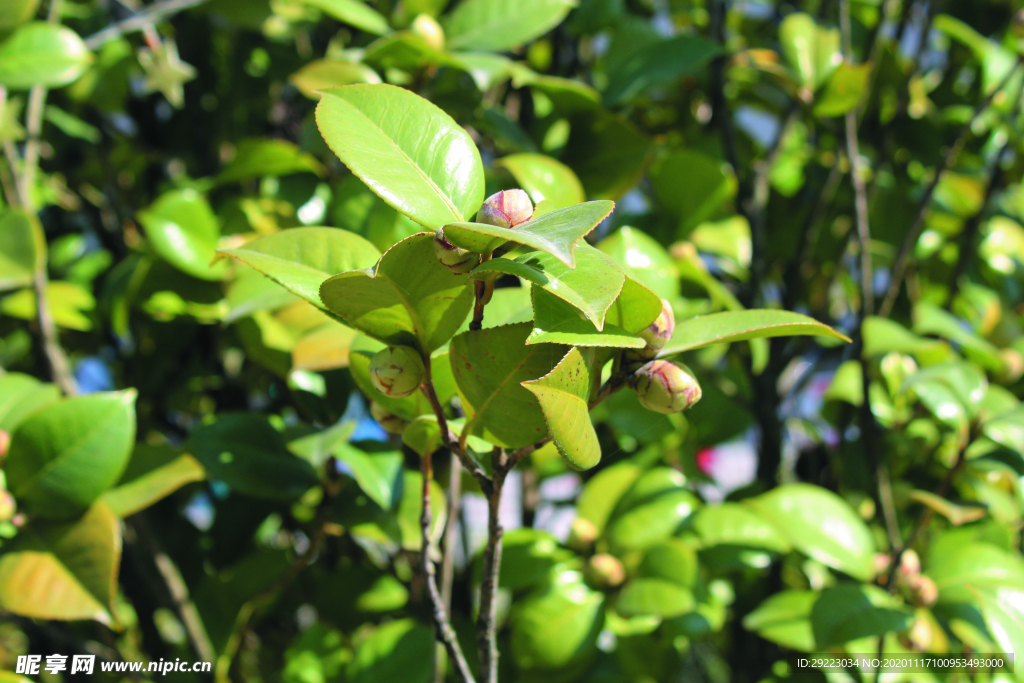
(396,371)
(665,386)
(506,209)
(7,506)
(427,28)
(454,258)
(659,332)
(5,443)
(582,534)
(605,571)
(923,591)
(389,422)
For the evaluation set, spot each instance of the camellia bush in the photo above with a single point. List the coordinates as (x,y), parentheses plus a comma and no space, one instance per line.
(618,341)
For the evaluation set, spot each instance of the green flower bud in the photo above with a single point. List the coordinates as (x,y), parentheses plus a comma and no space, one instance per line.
(396,371)
(659,332)
(665,386)
(5,443)
(427,28)
(582,534)
(454,258)
(389,422)
(605,571)
(506,209)
(7,506)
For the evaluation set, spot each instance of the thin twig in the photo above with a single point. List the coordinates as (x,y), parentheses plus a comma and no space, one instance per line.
(448,438)
(900,267)
(450,539)
(147,17)
(486,625)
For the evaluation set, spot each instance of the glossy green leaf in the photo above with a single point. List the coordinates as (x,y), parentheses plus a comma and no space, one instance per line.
(845,89)
(378,474)
(943,403)
(882,335)
(423,436)
(1003,611)
(21,248)
(738,525)
(399,650)
(315,447)
(603,491)
(250,456)
(40,53)
(528,557)
(330,73)
(20,396)
(557,625)
(654,519)
(847,384)
(357,209)
(563,395)
(324,348)
(183,230)
(812,51)
(407,150)
(849,612)
(556,322)
(636,307)
(647,259)
(301,259)
(1006,430)
(732,326)
(153,472)
(410,298)
(387,594)
(673,560)
(957,568)
(556,233)
(64,570)
(930,319)
(267,157)
(544,178)
(821,525)
(64,456)
(489,366)
(14,12)
(353,12)
(654,596)
(656,64)
(785,618)
(407,51)
(497,25)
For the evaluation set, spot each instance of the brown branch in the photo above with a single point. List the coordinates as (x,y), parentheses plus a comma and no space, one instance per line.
(450,537)
(447,437)
(153,14)
(486,625)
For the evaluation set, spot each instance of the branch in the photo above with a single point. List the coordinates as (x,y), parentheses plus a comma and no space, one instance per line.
(900,267)
(486,625)
(147,17)
(449,439)
(448,556)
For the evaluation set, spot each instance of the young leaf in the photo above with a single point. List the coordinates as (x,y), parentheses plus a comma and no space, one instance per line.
(184,231)
(63,570)
(732,326)
(563,395)
(66,455)
(153,473)
(41,53)
(497,25)
(555,233)
(300,259)
(489,366)
(409,152)
(410,298)
(330,73)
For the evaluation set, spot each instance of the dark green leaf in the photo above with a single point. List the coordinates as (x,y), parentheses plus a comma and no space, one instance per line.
(656,64)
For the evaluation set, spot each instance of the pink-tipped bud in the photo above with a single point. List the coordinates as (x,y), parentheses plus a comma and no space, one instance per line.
(659,332)
(506,209)
(7,506)
(454,258)
(582,534)
(5,443)
(396,371)
(605,571)
(389,422)
(923,591)
(665,386)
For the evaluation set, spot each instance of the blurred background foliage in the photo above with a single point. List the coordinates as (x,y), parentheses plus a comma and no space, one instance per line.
(249,511)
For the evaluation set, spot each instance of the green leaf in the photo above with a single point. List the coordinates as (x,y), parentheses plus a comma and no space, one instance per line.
(959,567)
(646,258)
(323,348)
(330,73)
(943,403)
(153,473)
(68,302)
(378,474)
(71,125)
(64,570)
(489,366)
(557,625)
(656,64)
(673,560)
(849,612)
(528,557)
(498,25)
(733,326)
(250,456)
(556,322)
(846,87)
(654,596)
(882,335)
(301,259)
(357,209)
(653,519)
(563,395)
(607,152)
(1006,429)
(14,12)
(411,505)
(20,396)
(410,298)
(315,447)
(408,151)
(353,12)
(812,51)
(555,233)
(265,157)
(40,53)
(544,178)
(603,491)
(22,246)
(1003,611)
(183,230)
(737,525)
(396,651)
(636,306)
(785,618)
(821,525)
(66,455)
(930,319)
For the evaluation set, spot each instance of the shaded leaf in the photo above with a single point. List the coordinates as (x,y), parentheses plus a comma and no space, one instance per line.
(22,246)
(396,651)
(656,64)
(268,157)
(654,596)
(849,612)
(20,396)
(183,230)
(330,73)
(153,473)
(557,625)
(563,395)
(557,322)
(646,258)
(785,618)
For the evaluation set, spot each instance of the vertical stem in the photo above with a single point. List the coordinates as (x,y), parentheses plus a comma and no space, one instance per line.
(450,538)
(487,627)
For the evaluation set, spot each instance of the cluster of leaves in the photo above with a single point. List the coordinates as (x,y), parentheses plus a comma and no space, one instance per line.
(222,251)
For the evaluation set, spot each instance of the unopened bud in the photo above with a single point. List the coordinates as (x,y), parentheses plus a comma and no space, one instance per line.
(665,386)
(910,565)
(396,371)
(659,332)
(881,562)
(7,506)
(582,534)
(454,258)
(427,28)
(605,571)
(506,209)
(5,443)
(389,422)
(923,591)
